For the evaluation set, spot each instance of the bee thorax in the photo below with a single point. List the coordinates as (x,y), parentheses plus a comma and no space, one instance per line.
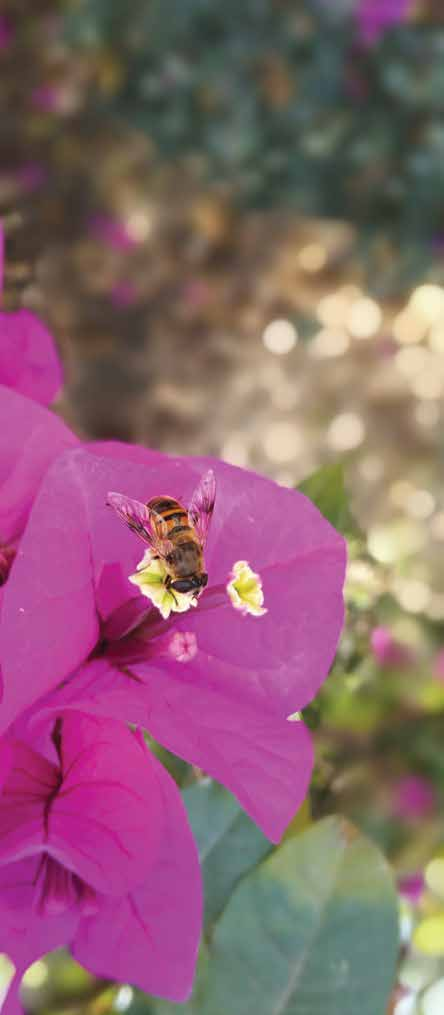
(185,559)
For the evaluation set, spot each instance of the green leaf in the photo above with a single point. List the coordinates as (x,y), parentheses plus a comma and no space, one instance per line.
(326,489)
(312,931)
(229,843)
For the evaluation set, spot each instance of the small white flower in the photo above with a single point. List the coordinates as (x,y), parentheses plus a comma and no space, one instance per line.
(150,578)
(245,590)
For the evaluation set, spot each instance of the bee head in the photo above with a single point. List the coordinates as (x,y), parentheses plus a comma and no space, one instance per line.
(194,584)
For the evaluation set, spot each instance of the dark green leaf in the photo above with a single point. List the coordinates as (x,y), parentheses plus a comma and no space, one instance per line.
(312,931)
(229,843)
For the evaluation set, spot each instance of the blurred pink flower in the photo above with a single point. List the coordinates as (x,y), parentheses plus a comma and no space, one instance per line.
(123,294)
(375,17)
(411,887)
(413,798)
(438,666)
(46,98)
(218,695)
(195,293)
(96,853)
(6,33)
(31,176)
(389,652)
(29,361)
(111,232)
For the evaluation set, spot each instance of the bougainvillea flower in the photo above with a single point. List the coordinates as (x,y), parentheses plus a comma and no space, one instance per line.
(112,232)
(438,666)
(6,33)
(411,887)
(414,798)
(96,853)
(30,438)
(46,98)
(31,176)
(212,685)
(29,361)
(389,652)
(2,257)
(375,17)
(123,294)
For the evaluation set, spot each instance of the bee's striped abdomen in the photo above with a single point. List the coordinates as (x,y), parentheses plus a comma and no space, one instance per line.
(178,544)
(174,516)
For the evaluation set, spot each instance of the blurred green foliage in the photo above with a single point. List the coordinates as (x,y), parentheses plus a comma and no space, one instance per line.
(326,488)
(282,104)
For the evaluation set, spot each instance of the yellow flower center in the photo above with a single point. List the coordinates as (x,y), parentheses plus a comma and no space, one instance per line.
(245,590)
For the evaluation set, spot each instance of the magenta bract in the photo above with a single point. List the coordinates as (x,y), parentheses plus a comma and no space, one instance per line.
(413,798)
(96,853)
(211,685)
(388,651)
(29,361)
(31,438)
(375,17)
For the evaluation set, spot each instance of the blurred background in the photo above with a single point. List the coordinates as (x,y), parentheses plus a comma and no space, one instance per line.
(231,216)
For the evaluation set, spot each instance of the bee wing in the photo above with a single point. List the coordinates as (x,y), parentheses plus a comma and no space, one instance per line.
(138,517)
(135,514)
(161,544)
(201,508)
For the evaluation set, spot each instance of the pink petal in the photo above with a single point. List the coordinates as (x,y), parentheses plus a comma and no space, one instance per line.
(151,938)
(112,590)
(30,438)
(48,622)
(29,360)
(301,560)
(29,783)
(285,655)
(24,934)
(299,556)
(126,452)
(105,822)
(264,760)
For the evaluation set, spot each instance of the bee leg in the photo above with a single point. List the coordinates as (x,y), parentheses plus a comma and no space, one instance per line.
(168,587)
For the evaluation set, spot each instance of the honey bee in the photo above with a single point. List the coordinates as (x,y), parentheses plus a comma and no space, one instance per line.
(173,533)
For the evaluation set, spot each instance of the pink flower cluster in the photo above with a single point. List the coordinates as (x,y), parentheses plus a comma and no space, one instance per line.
(375,17)
(95,847)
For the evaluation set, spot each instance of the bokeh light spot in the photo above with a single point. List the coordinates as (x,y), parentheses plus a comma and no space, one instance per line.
(364,318)
(312,258)
(329,343)
(282,442)
(346,431)
(280,337)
